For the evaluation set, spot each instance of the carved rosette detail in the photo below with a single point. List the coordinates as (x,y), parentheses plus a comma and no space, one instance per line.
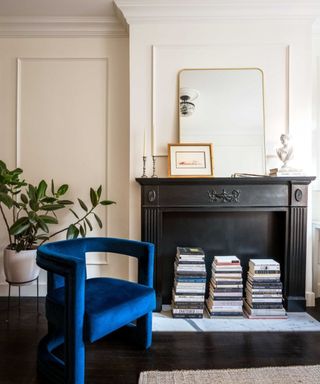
(298,195)
(224,196)
(152,195)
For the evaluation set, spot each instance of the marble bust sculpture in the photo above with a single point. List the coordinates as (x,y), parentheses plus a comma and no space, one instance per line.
(285,153)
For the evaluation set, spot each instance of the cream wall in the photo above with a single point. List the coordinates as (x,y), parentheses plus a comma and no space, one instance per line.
(316,159)
(316,120)
(64,114)
(281,48)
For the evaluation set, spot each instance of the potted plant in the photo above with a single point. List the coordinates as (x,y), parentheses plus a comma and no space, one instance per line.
(29,211)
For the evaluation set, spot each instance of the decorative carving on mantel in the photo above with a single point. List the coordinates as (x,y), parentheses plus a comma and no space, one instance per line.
(152,195)
(224,196)
(298,195)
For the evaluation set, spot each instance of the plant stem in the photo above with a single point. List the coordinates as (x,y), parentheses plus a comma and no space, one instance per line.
(66,228)
(6,223)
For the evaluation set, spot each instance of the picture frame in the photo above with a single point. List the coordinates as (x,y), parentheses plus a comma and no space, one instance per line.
(190,160)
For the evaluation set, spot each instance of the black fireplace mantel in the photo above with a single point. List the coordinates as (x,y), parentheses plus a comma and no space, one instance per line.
(252,217)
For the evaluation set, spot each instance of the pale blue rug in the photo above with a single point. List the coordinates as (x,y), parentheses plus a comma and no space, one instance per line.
(296,322)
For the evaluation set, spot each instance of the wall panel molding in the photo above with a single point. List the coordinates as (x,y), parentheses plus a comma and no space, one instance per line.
(20,61)
(62,27)
(163,51)
(94,259)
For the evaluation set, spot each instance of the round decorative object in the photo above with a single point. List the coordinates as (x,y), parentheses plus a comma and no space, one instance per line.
(152,196)
(20,267)
(298,195)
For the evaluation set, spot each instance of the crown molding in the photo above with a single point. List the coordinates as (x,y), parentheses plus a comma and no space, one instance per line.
(173,11)
(61,27)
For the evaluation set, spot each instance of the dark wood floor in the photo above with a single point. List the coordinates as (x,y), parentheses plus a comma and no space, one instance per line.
(114,360)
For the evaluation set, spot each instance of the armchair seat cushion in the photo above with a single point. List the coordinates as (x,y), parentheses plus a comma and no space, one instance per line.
(109,304)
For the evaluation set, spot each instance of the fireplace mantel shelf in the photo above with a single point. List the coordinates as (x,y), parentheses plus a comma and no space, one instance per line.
(225,180)
(252,217)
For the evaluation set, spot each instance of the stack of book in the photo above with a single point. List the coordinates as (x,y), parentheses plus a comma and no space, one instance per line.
(225,293)
(264,290)
(286,172)
(189,283)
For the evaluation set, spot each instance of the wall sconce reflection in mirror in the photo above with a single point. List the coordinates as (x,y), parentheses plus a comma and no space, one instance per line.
(187,97)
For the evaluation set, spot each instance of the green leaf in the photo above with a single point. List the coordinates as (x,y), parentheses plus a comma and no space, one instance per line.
(41,190)
(33,218)
(17,171)
(43,225)
(6,200)
(82,232)
(43,237)
(34,205)
(65,202)
(75,214)
(93,197)
(99,190)
(24,198)
(83,206)
(19,226)
(48,219)
(98,220)
(52,187)
(73,232)
(107,202)
(62,190)
(48,199)
(89,224)
(52,207)
(32,193)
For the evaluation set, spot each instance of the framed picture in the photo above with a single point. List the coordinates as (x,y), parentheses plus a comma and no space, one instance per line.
(190,160)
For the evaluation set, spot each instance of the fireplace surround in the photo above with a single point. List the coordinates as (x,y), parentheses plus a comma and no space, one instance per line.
(254,217)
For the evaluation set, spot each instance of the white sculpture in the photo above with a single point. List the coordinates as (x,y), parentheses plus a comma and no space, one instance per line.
(285,153)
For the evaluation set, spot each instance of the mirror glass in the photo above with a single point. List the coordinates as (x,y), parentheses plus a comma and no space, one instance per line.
(225,107)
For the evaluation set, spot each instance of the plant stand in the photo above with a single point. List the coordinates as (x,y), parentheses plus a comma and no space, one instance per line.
(19,288)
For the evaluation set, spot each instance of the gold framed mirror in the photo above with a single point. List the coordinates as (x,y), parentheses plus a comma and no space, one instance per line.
(225,107)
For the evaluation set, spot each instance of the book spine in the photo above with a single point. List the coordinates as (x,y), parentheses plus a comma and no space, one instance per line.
(189,305)
(190,316)
(226,314)
(190,280)
(187,311)
(229,294)
(191,298)
(189,261)
(224,303)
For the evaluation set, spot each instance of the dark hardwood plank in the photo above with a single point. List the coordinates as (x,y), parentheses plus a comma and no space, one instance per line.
(115,360)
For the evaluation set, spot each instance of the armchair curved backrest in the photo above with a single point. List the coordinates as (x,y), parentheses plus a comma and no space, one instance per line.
(78,308)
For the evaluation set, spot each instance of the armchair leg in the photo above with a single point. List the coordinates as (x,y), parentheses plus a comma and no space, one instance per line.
(54,370)
(50,367)
(144,330)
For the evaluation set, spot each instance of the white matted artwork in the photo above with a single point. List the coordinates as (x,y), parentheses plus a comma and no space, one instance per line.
(190,160)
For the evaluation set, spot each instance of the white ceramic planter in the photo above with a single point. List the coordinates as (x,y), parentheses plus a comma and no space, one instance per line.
(20,267)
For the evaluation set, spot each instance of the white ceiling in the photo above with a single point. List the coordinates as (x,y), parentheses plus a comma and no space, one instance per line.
(65,8)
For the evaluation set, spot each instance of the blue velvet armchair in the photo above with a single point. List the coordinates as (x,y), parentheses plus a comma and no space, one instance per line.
(80,309)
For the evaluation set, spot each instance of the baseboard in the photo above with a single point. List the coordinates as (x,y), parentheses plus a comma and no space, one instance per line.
(25,290)
(311,299)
